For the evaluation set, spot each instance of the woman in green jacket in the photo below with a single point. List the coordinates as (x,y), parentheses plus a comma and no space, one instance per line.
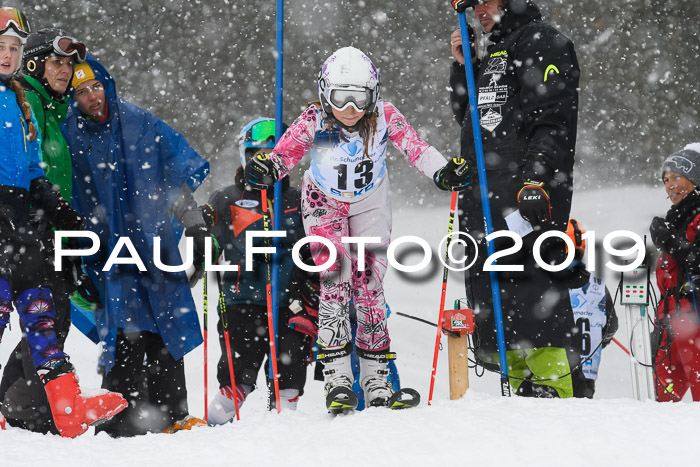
(49,59)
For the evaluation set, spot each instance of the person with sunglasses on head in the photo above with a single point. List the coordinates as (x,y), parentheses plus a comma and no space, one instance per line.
(133,177)
(23,279)
(237,211)
(48,61)
(527,86)
(346,193)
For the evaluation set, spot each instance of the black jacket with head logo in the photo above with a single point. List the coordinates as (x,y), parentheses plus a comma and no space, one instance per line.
(527,98)
(527,88)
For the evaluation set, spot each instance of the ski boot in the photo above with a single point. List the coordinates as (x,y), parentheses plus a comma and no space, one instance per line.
(73,412)
(223,408)
(378,390)
(529,389)
(338,379)
(186,423)
(288,398)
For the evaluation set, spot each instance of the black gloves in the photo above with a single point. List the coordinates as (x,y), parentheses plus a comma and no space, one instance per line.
(56,209)
(6,218)
(533,203)
(199,233)
(461,5)
(64,217)
(260,173)
(85,295)
(454,176)
(668,239)
(611,322)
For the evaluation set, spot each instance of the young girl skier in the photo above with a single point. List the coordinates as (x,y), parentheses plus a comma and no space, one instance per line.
(346,193)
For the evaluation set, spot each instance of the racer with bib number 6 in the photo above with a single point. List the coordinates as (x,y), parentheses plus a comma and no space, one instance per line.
(346,193)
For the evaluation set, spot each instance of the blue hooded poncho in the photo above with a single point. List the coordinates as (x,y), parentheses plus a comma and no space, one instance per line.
(127,172)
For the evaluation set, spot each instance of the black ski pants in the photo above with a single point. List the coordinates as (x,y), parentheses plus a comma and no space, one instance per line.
(249,338)
(152,382)
(21,391)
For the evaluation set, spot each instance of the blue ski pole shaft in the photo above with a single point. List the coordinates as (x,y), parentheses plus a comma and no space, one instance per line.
(485,203)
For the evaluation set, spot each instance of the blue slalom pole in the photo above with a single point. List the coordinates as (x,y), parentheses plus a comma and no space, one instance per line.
(485,203)
(277,197)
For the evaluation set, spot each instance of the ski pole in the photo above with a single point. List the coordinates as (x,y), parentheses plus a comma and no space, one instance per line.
(270,321)
(621,346)
(206,356)
(277,196)
(485,203)
(453,205)
(224,323)
(421,320)
(406,315)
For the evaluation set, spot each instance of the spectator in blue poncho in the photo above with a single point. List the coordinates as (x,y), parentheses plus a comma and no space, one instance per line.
(133,176)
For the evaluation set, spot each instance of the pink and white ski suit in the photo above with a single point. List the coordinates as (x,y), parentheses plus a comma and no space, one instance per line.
(344,194)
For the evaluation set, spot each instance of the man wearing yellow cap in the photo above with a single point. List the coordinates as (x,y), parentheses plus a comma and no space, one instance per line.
(129,172)
(89,93)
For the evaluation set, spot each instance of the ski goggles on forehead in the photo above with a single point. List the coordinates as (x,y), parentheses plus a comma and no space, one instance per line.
(261,132)
(67,46)
(13,18)
(341,98)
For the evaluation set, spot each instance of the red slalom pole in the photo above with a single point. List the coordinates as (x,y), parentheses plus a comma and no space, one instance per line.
(621,346)
(453,205)
(270,321)
(222,311)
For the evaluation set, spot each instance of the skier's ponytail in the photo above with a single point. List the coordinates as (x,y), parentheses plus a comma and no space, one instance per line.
(24,106)
(368,129)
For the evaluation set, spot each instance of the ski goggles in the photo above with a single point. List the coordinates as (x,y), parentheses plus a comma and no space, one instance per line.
(12,18)
(67,46)
(261,133)
(341,98)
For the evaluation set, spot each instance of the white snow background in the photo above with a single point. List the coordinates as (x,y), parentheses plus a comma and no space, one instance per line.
(482,429)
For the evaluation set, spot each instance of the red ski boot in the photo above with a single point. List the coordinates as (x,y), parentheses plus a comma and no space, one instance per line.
(73,412)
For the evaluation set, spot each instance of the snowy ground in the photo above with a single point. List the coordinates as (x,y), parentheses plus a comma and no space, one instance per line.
(482,429)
